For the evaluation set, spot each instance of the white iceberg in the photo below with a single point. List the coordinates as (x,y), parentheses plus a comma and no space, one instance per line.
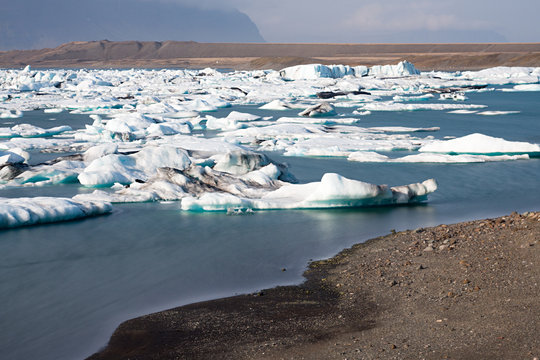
(480,144)
(31,131)
(125,169)
(31,211)
(369,156)
(322,109)
(315,71)
(394,106)
(404,68)
(332,191)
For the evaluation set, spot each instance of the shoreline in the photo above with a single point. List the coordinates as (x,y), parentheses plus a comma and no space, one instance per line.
(466,290)
(246,56)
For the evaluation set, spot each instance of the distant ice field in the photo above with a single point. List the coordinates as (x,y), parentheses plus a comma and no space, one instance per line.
(124,192)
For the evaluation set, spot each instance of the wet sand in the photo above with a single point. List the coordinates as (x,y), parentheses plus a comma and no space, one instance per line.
(462,291)
(175,54)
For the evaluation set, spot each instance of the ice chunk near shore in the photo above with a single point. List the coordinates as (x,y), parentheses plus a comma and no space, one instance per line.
(332,191)
(480,144)
(31,211)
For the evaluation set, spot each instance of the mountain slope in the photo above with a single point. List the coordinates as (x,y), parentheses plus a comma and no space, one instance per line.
(28,24)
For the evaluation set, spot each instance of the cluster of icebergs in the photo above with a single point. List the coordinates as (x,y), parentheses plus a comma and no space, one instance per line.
(154,135)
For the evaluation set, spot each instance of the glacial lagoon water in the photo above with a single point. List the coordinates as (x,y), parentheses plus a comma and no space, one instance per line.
(64,287)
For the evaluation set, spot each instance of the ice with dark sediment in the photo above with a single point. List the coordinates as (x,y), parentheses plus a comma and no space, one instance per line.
(160,135)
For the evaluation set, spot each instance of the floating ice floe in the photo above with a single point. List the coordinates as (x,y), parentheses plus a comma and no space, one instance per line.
(235,120)
(39,210)
(147,139)
(498,112)
(463,112)
(394,106)
(456,96)
(525,87)
(318,71)
(480,144)
(11,114)
(403,129)
(125,169)
(315,71)
(404,68)
(278,105)
(368,156)
(401,98)
(31,131)
(502,75)
(333,191)
(322,109)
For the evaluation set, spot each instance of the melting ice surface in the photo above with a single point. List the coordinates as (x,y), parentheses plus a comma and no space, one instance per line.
(145,143)
(169,147)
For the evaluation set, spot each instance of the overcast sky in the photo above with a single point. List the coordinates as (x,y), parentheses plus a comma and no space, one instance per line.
(389,20)
(344,21)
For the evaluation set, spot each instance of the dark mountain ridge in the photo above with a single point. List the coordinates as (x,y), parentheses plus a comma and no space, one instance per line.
(27,24)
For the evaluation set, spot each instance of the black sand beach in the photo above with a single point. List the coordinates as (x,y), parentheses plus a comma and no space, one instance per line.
(462,291)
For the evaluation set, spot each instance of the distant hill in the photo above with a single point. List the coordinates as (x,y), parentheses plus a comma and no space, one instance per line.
(32,24)
(190,54)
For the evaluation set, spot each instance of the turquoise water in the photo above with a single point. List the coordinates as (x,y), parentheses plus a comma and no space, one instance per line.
(65,287)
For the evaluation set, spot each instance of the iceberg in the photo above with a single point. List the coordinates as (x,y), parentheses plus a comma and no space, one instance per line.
(277,105)
(318,71)
(480,144)
(322,109)
(125,169)
(370,156)
(527,87)
(333,191)
(404,68)
(498,112)
(315,71)
(394,106)
(39,210)
(31,131)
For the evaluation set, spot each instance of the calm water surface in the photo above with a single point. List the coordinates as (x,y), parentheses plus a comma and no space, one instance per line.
(65,287)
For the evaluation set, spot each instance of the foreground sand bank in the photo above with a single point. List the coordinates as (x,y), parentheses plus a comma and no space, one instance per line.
(467,290)
(128,54)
